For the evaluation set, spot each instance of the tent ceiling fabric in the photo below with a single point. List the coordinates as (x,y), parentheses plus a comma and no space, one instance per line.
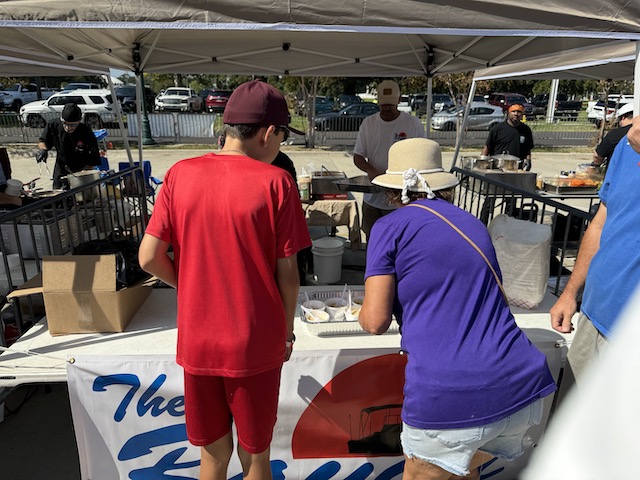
(615,61)
(288,37)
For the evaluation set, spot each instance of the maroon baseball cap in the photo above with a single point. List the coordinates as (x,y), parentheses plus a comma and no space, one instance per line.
(257,103)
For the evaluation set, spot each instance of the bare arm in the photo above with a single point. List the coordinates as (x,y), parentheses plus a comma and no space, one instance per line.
(379,292)
(485,150)
(365,166)
(153,258)
(563,310)
(288,282)
(42,145)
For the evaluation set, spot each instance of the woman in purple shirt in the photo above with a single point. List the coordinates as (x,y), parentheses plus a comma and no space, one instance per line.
(474,383)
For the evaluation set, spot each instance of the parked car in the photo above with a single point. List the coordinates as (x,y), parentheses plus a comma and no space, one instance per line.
(348,119)
(564,107)
(323,105)
(416,99)
(96,106)
(81,86)
(343,100)
(178,99)
(482,116)
(126,95)
(505,100)
(16,95)
(216,101)
(439,101)
(404,106)
(595,110)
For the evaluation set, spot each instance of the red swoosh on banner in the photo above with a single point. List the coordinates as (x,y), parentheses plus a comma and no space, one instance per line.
(360,403)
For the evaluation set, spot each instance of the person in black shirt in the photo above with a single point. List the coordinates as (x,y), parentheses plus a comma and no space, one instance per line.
(512,137)
(605,149)
(75,144)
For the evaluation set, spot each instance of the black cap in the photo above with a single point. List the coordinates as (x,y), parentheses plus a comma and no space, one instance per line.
(71,113)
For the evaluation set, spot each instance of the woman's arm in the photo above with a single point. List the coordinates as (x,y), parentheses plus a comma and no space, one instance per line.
(379,293)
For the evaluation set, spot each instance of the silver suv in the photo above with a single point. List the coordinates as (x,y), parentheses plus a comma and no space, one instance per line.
(96,106)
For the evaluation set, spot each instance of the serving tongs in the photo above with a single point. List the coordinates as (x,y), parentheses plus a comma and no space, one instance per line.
(46,167)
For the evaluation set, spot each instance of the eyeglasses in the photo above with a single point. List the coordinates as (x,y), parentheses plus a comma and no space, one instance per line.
(284,129)
(70,124)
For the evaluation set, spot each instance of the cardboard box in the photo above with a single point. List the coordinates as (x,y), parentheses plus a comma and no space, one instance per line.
(80,294)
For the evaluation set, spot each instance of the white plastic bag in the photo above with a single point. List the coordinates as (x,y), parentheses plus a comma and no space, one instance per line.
(523,250)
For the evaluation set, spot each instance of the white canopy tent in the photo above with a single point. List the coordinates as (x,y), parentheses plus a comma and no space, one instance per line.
(362,38)
(615,60)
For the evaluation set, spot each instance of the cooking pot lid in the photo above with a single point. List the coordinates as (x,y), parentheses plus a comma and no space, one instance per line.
(506,156)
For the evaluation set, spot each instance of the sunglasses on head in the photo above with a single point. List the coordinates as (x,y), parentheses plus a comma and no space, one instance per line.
(284,129)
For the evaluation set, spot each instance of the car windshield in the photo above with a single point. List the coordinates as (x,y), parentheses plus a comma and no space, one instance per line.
(12,88)
(171,91)
(127,91)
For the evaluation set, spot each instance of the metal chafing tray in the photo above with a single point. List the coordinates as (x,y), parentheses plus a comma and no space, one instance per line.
(357,184)
(547,187)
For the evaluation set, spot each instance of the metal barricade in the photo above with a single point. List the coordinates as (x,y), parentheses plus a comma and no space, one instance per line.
(56,225)
(485,197)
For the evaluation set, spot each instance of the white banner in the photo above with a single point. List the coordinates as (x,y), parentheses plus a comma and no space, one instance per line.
(338,418)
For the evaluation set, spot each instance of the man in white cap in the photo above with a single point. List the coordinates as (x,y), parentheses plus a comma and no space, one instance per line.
(605,149)
(376,135)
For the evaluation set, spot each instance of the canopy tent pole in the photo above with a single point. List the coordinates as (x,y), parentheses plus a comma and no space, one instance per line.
(553,95)
(463,127)
(116,106)
(636,83)
(429,104)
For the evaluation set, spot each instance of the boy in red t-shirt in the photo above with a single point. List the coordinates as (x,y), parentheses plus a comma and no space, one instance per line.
(235,224)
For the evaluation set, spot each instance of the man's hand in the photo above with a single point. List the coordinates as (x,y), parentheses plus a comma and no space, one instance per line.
(562,313)
(42,155)
(526,165)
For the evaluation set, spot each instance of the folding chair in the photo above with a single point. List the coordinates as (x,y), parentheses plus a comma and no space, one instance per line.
(150,182)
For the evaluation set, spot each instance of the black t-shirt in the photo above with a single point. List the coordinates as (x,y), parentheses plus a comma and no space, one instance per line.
(516,141)
(74,150)
(609,142)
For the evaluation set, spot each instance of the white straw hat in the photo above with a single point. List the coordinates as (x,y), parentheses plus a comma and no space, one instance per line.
(415,165)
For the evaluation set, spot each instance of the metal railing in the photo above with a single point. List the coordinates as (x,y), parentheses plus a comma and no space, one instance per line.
(56,225)
(486,197)
(177,127)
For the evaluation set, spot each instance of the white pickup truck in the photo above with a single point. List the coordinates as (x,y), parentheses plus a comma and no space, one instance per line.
(178,99)
(15,96)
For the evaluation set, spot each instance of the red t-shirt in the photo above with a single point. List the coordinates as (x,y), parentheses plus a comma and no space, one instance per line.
(229,218)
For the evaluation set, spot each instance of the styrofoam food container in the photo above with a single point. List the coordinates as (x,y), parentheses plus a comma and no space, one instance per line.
(336,307)
(316,316)
(313,305)
(352,314)
(358,300)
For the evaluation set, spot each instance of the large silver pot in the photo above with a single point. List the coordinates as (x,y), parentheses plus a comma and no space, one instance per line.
(82,178)
(506,162)
(482,162)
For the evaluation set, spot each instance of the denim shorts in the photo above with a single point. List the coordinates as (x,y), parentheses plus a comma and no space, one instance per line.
(453,449)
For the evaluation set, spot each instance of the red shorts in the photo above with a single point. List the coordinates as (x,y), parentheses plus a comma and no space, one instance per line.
(212,403)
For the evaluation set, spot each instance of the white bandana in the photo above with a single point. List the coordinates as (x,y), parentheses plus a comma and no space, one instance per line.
(411,178)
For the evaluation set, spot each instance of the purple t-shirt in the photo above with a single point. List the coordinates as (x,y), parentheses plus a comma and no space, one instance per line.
(469,363)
